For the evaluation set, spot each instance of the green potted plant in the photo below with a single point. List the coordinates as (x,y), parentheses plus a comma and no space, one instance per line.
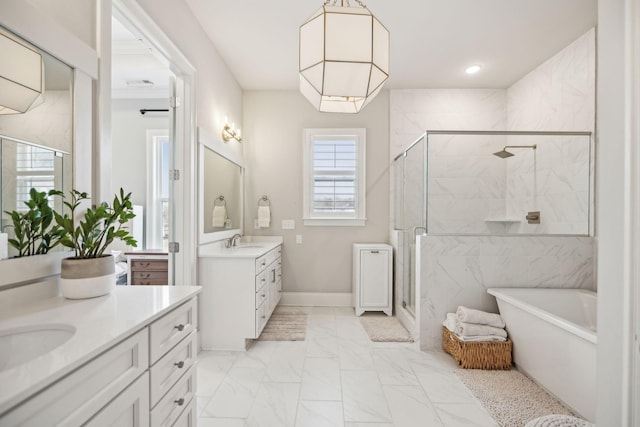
(91,273)
(34,230)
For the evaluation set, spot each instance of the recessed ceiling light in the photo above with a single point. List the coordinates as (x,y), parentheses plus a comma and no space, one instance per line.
(472,69)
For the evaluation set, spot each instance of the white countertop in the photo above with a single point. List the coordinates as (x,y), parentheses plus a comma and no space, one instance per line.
(99,322)
(248,247)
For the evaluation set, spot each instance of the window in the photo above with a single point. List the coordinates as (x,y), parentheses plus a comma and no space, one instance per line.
(157,236)
(35,168)
(333,176)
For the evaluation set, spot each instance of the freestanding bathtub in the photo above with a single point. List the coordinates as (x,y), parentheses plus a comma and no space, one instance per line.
(554,340)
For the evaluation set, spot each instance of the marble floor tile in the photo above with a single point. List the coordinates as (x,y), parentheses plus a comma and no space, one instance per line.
(321,379)
(221,422)
(464,415)
(275,405)
(363,398)
(444,387)
(337,377)
(319,414)
(410,407)
(235,396)
(287,363)
(393,367)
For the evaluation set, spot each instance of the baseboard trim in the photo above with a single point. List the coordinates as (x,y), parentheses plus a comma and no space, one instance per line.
(317,299)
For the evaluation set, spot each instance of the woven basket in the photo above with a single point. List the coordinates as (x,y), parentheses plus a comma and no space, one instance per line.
(478,354)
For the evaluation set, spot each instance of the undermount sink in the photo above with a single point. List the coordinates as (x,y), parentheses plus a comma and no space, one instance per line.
(23,344)
(247,246)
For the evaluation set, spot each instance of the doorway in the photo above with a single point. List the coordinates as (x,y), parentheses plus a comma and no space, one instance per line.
(151,130)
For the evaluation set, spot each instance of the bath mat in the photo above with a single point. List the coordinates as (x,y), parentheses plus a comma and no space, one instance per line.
(284,326)
(382,328)
(511,398)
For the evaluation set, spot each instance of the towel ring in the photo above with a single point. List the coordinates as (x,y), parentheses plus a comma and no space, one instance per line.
(264,201)
(220,201)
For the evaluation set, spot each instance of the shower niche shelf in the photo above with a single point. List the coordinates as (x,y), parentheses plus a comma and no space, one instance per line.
(502,220)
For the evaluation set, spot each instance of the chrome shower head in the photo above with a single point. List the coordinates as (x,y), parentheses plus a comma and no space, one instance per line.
(503,154)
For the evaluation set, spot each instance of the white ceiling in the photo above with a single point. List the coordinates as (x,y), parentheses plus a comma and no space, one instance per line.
(432,41)
(133,64)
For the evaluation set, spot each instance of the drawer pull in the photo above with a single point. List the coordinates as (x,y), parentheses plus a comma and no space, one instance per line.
(264,262)
(179,327)
(263,280)
(180,401)
(180,364)
(263,295)
(264,317)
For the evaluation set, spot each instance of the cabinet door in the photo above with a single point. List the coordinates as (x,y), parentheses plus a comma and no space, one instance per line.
(374,278)
(129,409)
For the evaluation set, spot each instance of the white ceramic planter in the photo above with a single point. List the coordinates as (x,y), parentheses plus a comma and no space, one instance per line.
(87,278)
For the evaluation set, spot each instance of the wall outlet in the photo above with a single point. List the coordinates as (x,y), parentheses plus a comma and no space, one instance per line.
(299,239)
(256,224)
(288,224)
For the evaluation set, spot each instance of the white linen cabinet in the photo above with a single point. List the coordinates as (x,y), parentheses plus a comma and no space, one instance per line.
(372,278)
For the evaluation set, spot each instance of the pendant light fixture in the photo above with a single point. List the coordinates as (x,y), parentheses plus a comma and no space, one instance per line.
(344,57)
(21,76)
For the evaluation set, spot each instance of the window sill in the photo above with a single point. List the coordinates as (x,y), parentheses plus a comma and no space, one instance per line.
(335,222)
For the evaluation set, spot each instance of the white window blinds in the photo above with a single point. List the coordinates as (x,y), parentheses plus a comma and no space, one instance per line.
(334,175)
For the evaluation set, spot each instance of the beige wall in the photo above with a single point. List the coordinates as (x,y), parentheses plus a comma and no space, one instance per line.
(273,124)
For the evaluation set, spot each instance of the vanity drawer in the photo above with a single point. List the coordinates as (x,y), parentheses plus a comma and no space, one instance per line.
(149,265)
(76,398)
(172,366)
(262,279)
(261,318)
(171,329)
(261,296)
(261,263)
(188,416)
(170,407)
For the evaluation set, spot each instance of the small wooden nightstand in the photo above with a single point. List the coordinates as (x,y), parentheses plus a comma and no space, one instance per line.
(147,268)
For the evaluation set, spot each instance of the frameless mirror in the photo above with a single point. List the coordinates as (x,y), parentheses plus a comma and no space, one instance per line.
(36,147)
(220,192)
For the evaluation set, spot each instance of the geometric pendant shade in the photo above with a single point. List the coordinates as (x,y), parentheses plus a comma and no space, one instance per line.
(21,76)
(344,58)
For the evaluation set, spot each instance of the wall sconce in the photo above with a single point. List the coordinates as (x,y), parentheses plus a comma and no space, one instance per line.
(21,76)
(231,132)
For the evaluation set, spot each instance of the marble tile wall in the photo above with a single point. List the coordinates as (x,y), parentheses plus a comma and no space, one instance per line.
(457,270)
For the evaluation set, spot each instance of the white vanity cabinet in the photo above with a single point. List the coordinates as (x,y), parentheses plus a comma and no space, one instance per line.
(241,288)
(372,283)
(147,379)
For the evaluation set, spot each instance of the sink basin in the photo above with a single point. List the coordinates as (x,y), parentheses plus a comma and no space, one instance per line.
(23,344)
(247,246)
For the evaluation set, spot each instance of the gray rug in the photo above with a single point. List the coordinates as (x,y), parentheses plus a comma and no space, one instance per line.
(511,398)
(382,328)
(285,326)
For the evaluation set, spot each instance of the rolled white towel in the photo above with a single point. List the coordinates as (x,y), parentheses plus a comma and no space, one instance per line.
(470,315)
(450,322)
(475,329)
(476,338)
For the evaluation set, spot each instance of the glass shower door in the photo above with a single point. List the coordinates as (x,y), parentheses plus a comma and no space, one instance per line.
(414,170)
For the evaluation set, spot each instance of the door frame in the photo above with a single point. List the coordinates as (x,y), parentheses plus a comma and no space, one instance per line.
(184,200)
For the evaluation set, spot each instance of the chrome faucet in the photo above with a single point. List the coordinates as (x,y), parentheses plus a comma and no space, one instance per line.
(232,241)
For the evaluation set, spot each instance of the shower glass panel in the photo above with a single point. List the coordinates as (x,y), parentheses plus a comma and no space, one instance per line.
(413,193)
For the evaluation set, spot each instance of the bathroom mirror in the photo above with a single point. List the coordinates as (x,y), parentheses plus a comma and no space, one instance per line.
(36,146)
(220,188)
